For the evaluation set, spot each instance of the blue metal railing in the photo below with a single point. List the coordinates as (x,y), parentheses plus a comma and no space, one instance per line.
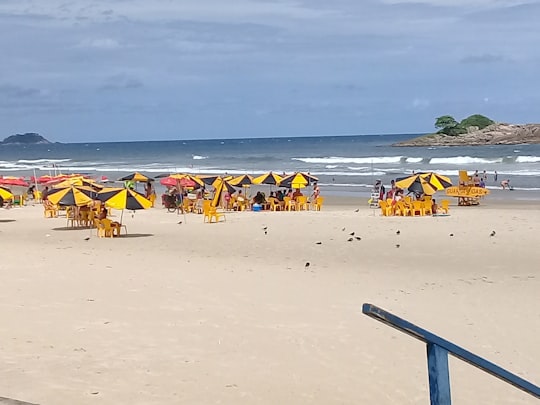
(437,355)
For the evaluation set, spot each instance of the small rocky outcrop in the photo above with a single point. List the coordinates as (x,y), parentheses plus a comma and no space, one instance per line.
(496,134)
(29,138)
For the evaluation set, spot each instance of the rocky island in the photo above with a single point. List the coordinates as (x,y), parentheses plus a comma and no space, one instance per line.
(29,138)
(476,130)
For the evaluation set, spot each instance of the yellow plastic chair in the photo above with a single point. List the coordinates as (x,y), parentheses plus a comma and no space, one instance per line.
(274,205)
(404,210)
(106,228)
(386,210)
(37,196)
(428,207)
(445,206)
(301,203)
(318,203)
(289,203)
(212,213)
(50,210)
(417,207)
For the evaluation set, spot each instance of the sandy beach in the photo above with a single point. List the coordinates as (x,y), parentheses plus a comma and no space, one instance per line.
(194,313)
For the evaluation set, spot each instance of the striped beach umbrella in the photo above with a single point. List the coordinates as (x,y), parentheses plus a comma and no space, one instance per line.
(243,180)
(136,177)
(78,182)
(72,195)
(208,179)
(221,186)
(123,199)
(424,183)
(298,180)
(268,178)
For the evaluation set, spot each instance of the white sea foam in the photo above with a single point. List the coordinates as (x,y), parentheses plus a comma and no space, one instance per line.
(197,157)
(414,159)
(464,160)
(331,166)
(357,160)
(528,159)
(40,161)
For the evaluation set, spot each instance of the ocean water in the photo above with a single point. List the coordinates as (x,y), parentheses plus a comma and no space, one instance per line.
(344,164)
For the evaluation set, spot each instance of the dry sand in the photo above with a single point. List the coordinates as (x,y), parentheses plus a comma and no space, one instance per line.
(197,313)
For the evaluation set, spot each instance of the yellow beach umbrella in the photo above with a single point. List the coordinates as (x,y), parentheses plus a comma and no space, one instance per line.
(298,180)
(5,194)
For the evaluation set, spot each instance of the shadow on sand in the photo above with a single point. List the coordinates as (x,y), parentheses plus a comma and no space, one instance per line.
(136,235)
(7,220)
(72,228)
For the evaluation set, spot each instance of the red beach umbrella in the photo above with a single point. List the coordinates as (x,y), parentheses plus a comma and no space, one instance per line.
(13,181)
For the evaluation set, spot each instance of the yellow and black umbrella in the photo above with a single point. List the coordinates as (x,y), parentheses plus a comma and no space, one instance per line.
(298,180)
(268,178)
(136,177)
(5,194)
(221,186)
(209,179)
(79,181)
(243,180)
(123,199)
(424,183)
(437,180)
(72,195)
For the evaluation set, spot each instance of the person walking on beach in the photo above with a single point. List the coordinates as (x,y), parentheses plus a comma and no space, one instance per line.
(495,176)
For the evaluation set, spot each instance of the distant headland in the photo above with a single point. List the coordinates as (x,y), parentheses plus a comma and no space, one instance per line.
(29,138)
(474,131)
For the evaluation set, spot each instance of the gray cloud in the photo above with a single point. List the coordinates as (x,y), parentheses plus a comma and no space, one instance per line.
(16,92)
(121,81)
(484,58)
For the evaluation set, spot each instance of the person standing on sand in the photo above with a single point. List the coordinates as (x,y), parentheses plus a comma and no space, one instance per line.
(316,192)
(495,176)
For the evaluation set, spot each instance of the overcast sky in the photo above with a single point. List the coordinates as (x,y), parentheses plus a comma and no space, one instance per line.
(95,70)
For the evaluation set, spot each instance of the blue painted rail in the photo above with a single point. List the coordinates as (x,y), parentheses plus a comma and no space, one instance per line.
(437,356)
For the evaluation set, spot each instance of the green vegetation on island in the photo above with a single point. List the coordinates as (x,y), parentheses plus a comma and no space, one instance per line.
(29,138)
(476,130)
(449,126)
